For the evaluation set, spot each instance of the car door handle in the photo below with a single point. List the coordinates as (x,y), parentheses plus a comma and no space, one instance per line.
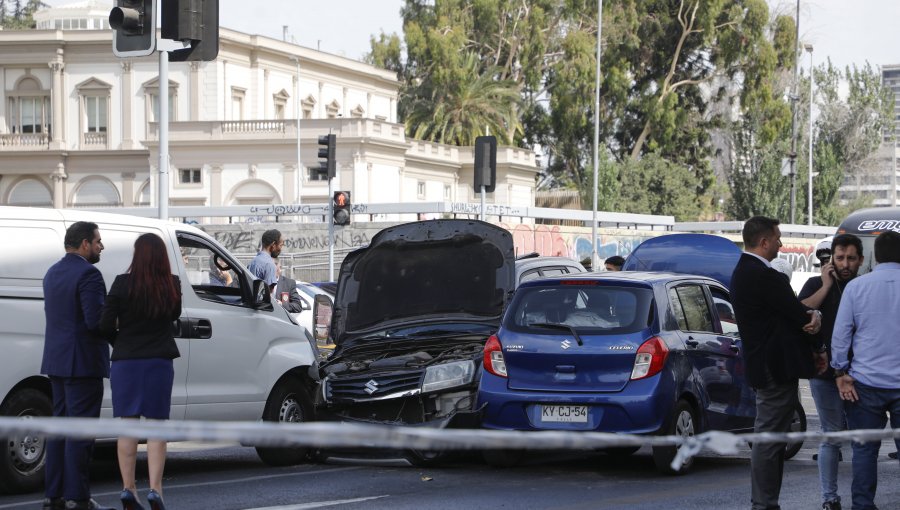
(690,342)
(201,328)
(735,347)
(182,328)
(565,369)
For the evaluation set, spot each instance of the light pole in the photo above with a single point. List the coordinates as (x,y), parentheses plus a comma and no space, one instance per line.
(298,111)
(595,260)
(809,48)
(793,155)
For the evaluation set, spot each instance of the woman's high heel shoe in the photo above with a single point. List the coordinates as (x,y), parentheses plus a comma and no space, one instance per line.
(155,500)
(130,501)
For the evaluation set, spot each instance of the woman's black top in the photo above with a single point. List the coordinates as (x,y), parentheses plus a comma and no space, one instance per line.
(132,333)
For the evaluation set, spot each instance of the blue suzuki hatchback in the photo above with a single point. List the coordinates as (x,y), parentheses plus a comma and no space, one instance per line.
(629,352)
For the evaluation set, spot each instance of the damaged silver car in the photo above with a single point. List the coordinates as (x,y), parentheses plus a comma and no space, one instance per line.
(410,319)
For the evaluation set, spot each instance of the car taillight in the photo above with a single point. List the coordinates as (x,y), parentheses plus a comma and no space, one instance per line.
(493,357)
(651,356)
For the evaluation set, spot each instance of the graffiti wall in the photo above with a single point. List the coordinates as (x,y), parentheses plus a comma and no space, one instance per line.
(555,240)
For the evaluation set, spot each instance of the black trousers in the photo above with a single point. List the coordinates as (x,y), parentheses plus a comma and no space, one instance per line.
(68,461)
(775,406)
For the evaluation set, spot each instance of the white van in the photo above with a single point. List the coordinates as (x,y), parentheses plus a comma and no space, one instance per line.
(242,358)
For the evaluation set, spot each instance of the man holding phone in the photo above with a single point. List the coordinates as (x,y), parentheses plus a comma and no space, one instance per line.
(840,264)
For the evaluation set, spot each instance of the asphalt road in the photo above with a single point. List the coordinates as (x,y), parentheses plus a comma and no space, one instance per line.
(227,477)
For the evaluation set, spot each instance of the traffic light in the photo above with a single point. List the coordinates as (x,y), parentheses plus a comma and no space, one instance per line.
(134,28)
(341,208)
(485,163)
(195,22)
(326,157)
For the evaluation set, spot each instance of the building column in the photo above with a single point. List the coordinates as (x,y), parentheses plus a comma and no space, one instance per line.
(195,91)
(345,108)
(128,142)
(369,106)
(59,186)
(128,189)
(215,185)
(320,105)
(57,123)
(392,115)
(288,183)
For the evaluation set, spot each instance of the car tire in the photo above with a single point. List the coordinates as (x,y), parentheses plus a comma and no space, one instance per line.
(424,458)
(798,424)
(22,465)
(683,422)
(289,402)
(502,458)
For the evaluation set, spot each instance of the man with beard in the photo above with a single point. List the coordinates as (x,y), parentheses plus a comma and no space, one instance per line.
(263,265)
(76,359)
(824,293)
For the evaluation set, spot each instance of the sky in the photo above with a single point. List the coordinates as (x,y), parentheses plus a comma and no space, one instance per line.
(847,31)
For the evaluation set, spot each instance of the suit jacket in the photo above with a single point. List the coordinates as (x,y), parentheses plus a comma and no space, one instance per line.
(73,298)
(133,334)
(294,304)
(770,319)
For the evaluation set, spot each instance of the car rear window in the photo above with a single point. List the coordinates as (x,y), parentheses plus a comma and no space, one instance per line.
(585,307)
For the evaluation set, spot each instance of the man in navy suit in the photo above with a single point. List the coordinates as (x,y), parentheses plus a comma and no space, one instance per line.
(76,358)
(776,330)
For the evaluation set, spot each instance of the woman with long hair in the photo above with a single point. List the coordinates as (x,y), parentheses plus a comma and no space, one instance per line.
(137,318)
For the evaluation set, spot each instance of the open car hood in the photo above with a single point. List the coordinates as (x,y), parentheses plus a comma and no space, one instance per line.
(426,271)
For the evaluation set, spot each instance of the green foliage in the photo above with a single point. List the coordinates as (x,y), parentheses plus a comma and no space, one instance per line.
(18,16)
(653,185)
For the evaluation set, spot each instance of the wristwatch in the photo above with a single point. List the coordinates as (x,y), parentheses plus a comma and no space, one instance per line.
(838,372)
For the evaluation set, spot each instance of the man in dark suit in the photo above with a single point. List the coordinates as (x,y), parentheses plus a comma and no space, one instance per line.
(776,331)
(286,291)
(76,359)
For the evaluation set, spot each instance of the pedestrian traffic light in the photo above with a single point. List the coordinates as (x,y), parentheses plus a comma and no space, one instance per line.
(195,22)
(341,208)
(134,28)
(485,163)
(327,165)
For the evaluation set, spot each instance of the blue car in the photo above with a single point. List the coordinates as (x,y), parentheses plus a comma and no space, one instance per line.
(629,352)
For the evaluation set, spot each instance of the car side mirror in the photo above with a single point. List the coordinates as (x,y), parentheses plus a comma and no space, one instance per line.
(262,299)
(304,305)
(322,310)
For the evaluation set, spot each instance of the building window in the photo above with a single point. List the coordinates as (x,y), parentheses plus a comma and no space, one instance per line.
(237,103)
(190,176)
(154,107)
(308,106)
(447,192)
(280,101)
(332,110)
(357,113)
(151,93)
(95,108)
(29,107)
(420,189)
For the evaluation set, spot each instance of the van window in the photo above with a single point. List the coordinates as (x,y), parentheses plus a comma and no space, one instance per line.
(28,252)
(210,272)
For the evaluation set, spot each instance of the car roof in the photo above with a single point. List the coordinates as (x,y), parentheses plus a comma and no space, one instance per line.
(649,277)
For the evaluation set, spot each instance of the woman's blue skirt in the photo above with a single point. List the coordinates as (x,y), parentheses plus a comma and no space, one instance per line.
(142,387)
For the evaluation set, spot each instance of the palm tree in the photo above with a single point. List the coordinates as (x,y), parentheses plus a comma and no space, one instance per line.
(471,105)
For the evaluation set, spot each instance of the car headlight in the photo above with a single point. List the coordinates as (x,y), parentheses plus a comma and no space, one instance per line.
(448,375)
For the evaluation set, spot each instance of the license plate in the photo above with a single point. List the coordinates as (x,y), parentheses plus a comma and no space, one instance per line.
(564,414)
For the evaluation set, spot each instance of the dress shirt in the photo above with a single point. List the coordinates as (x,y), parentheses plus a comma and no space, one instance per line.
(867,322)
(764,261)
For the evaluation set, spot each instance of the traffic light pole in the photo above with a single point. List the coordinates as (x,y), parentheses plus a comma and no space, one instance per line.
(163,134)
(330,231)
(483,193)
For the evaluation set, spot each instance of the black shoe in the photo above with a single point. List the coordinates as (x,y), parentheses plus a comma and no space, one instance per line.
(54,504)
(85,504)
(892,455)
(155,500)
(831,505)
(130,501)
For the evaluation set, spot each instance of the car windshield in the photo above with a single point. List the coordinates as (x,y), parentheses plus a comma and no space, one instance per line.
(590,308)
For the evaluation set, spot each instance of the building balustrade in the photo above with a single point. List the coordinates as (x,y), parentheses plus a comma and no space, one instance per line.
(24,141)
(93,140)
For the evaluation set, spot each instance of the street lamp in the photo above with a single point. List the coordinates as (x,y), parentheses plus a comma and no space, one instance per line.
(809,48)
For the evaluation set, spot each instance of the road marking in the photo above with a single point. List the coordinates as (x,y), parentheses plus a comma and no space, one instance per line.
(320,504)
(31,504)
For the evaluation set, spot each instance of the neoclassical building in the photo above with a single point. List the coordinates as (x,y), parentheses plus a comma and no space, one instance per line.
(78,126)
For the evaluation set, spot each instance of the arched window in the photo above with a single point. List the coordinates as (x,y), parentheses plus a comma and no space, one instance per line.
(143,198)
(30,192)
(254,193)
(96,192)
(29,107)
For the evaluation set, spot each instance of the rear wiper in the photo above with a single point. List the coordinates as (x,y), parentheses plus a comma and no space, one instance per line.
(554,325)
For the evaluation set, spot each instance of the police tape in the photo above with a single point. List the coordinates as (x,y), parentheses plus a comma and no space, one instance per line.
(327,435)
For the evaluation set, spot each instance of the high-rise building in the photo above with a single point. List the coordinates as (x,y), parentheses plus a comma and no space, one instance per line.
(880,181)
